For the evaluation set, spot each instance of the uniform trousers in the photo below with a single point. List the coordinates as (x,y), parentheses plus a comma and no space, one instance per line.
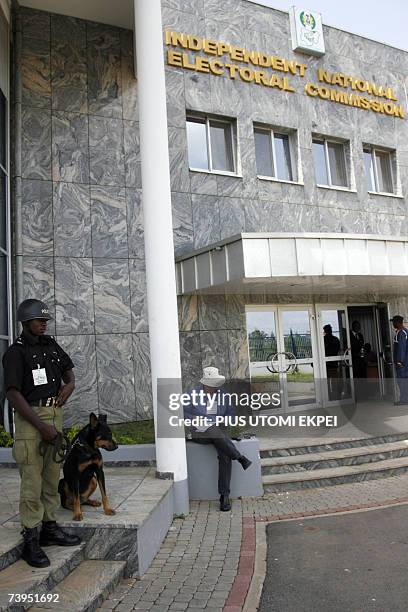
(402,380)
(39,497)
(226,451)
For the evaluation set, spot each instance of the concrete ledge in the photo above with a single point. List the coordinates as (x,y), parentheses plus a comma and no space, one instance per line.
(202,465)
(128,454)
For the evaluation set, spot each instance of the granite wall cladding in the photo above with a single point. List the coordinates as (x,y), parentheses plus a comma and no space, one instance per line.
(82,243)
(78,172)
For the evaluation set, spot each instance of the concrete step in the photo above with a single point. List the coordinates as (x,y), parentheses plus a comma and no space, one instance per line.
(11,545)
(274,448)
(84,589)
(334,458)
(23,579)
(334,476)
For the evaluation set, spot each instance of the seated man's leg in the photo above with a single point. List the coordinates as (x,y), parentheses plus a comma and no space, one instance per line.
(224,473)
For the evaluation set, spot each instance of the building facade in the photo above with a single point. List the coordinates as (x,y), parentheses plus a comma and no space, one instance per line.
(289,198)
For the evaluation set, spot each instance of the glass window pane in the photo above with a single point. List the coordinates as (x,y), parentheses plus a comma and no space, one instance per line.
(221,147)
(3,209)
(3,132)
(263,151)
(282,152)
(197,144)
(262,342)
(296,333)
(384,171)
(320,163)
(3,296)
(337,164)
(369,174)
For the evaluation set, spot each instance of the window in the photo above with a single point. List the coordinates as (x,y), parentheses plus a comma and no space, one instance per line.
(273,154)
(210,144)
(378,170)
(330,164)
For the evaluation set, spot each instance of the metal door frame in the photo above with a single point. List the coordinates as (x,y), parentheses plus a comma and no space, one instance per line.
(346,359)
(282,360)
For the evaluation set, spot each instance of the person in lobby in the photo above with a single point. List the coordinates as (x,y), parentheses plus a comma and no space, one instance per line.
(357,351)
(331,349)
(209,400)
(401,357)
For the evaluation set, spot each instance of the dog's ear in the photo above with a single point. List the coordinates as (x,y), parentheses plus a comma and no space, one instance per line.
(103,417)
(93,420)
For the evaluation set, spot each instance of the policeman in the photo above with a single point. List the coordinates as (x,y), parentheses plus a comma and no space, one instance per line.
(401,357)
(33,369)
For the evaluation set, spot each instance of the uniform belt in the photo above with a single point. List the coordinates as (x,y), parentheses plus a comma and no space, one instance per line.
(45,401)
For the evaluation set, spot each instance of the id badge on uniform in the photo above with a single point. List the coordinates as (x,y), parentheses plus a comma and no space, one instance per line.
(39,376)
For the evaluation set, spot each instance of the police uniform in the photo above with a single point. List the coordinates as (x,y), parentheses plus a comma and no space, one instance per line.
(39,498)
(34,366)
(401,357)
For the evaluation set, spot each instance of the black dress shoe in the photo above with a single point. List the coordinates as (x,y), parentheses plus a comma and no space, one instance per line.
(245,462)
(225,503)
(32,553)
(51,533)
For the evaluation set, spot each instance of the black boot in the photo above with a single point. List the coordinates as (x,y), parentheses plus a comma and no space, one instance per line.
(51,533)
(245,462)
(32,553)
(225,503)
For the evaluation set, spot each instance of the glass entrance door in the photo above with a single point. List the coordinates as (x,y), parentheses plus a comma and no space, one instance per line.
(334,346)
(388,383)
(282,350)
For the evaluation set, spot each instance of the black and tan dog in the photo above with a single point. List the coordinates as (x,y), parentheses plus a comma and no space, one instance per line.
(83,467)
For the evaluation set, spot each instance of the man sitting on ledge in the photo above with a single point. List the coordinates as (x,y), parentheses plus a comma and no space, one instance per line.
(210,401)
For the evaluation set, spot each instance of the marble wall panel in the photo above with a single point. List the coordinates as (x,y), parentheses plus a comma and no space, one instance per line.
(232,216)
(138,296)
(212,312)
(116,381)
(188,312)
(109,224)
(35,24)
(180,21)
(70,151)
(214,350)
(72,220)
(37,227)
(142,374)
(74,296)
(84,400)
(38,283)
(107,164)
(190,355)
(260,216)
(176,109)
(179,169)
(132,154)
(111,294)
(196,88)
(206,220)
(135,224)
(203,183)
(69,64)
(36,143)
(104,70)
(238,354)
(36,72)
(129,82)
(183,235)
(235,311)
(186,6)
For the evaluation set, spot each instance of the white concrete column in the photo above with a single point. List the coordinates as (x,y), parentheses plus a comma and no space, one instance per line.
(158,232)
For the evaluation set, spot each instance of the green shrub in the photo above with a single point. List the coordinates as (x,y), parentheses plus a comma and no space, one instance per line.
(72,431)
(5,439)
(138,432)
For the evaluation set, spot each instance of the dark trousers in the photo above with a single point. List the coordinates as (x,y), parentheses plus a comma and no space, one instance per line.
(403,387)
(226,452)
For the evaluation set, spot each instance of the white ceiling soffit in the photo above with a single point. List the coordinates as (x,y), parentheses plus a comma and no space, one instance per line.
(112,12)
(297,263)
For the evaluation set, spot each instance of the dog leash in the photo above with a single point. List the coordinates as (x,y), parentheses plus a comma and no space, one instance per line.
(61,445)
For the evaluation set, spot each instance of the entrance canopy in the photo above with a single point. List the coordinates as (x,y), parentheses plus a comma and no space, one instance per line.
(297,263)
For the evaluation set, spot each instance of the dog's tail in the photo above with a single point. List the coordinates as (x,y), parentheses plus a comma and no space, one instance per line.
(61,491)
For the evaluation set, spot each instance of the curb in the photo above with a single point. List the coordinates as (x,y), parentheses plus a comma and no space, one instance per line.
(246,589)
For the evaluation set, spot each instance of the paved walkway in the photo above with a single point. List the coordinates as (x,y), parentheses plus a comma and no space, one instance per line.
(207,559)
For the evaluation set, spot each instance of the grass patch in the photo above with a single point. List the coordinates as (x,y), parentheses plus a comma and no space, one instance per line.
(137,432)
